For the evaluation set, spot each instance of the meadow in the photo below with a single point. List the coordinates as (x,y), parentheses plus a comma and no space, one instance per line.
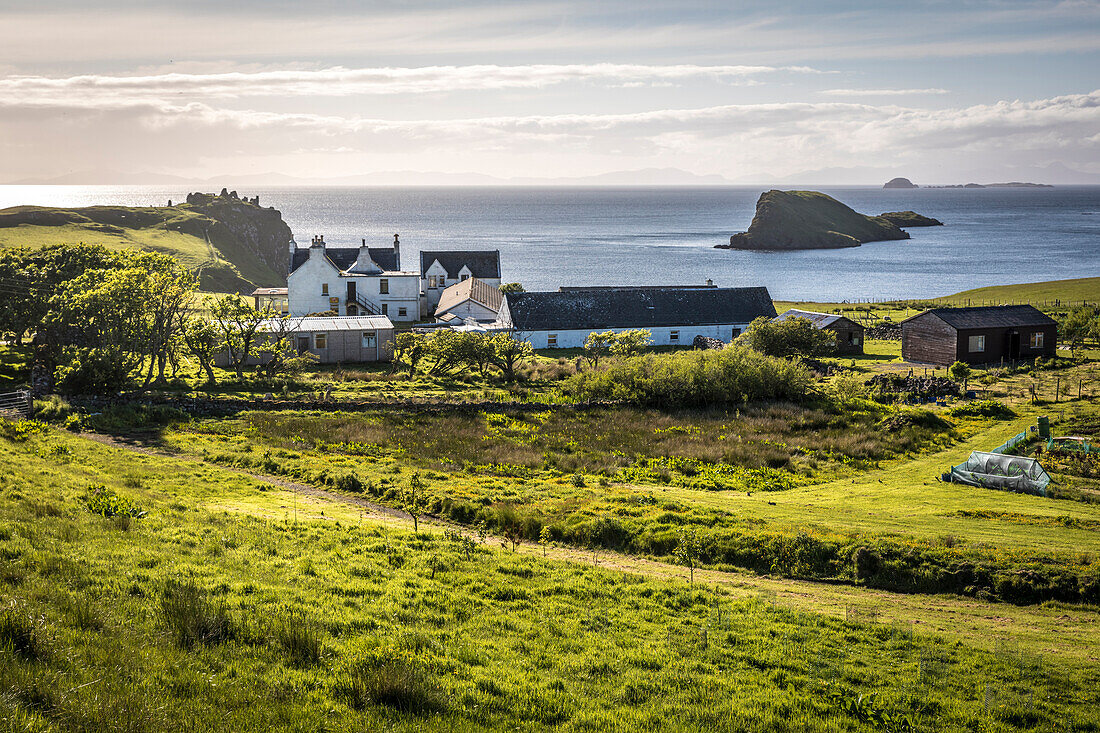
(217,601)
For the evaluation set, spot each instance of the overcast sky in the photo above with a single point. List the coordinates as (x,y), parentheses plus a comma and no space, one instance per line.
(937,91)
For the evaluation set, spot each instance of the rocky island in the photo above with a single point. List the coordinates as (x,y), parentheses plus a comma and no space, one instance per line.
(906,219)
(232,243)
(900,183)
(792,220)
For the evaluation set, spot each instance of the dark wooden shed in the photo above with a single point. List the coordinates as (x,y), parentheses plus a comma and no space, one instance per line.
(849,334)
(983,335)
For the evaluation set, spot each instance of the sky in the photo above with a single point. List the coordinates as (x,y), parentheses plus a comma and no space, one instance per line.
(816,91)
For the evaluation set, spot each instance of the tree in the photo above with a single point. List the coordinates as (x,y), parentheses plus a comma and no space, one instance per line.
(630,343)
(237,324)
(1079,325)
(546,538)
(414,501)
(512,288)
(203,341)
(597,346)
(688,551)
(960,371)
(278,341)
(170,288)
(789,337)
(508,352)
(408,350)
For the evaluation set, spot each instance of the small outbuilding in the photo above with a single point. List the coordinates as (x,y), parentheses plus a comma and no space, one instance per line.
(331,339)
(849,334)
(980,335)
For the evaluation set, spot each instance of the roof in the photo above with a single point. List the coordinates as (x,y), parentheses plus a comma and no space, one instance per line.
(483,263)
(584,288)
(820,320)
(333,323)
(268,291)
(473,289)
(992,316)
(344,257)
(636,308)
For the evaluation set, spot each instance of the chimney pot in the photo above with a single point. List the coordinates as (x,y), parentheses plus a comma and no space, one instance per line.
(710,283)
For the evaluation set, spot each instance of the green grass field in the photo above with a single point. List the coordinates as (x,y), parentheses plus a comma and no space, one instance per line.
(234,604)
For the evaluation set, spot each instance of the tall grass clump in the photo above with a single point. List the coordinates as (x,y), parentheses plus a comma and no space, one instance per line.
(393,682)
(733,375)
(20,633)
(191,618)
(299,639)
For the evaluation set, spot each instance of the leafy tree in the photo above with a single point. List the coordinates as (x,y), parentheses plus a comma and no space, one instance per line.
(447,351)
(597,346)
(688,551)
(512,288)
(630,343)
(169,289)
(507,353)
(278,341)
(790,337)
(408,350)
(546,538)
(960,371)
(238,324)
(203,341)
(1078,326)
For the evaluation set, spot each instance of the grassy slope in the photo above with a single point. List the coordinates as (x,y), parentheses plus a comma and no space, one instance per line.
(137,228)
(499,641)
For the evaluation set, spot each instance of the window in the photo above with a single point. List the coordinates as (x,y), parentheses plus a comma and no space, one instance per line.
(1037,340)
(385,309)
(320,340)
(552,341)
(370,340)
(431,281)
(977,344)
(402,312)
(673,335)
(465,278)
(384,286)
(324,288)
(735,333)
(442,281)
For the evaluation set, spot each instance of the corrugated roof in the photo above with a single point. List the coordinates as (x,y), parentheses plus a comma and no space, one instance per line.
(483,263)
(269,291)
(344,257)
(333,323)
(820,320)
(637,308)
(991,316)
(473,289)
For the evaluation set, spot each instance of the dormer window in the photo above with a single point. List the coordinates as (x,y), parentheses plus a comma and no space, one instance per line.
(465,278)
(442,281)
(431,281)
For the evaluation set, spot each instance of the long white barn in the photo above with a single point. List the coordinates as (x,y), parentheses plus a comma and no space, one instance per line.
(673,315)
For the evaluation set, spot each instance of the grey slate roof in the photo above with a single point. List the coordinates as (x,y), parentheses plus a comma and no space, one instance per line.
(483,263)
(636,308)
(344,257)
(992,316)
(820,320)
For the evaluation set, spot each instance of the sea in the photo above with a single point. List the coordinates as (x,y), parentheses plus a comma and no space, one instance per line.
(554,236)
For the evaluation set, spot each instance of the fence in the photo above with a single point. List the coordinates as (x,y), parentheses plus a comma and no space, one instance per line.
(16,404)
(1011,443)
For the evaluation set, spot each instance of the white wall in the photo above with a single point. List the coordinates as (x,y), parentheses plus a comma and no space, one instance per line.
(471,309)
(304,290)
(661,336)
(436,270)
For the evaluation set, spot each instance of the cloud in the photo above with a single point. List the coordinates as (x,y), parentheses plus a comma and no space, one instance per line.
(93,90)
(882,92)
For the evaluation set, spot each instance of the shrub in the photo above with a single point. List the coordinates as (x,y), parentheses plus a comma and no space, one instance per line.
(20,430)
(790,337)
(52,409)
(915,418)
(107,503)
(732,375)
(983,408)
(190,617)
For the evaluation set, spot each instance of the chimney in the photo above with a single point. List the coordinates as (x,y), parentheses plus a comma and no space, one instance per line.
(318,241)
(397,252)
(710,283)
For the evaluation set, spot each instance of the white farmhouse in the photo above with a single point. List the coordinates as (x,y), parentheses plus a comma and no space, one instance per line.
(673,315)
(352,281)
(441,269)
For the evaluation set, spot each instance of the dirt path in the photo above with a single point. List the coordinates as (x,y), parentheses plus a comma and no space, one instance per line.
(1071,634)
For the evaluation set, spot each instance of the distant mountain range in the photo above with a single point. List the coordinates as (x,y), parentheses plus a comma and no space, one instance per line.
(1055,173)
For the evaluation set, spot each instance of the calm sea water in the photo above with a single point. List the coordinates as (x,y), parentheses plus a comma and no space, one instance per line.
(596,236)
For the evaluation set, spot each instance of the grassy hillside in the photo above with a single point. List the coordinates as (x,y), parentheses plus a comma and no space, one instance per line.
(237,604)
(197,240)
(1042,293)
